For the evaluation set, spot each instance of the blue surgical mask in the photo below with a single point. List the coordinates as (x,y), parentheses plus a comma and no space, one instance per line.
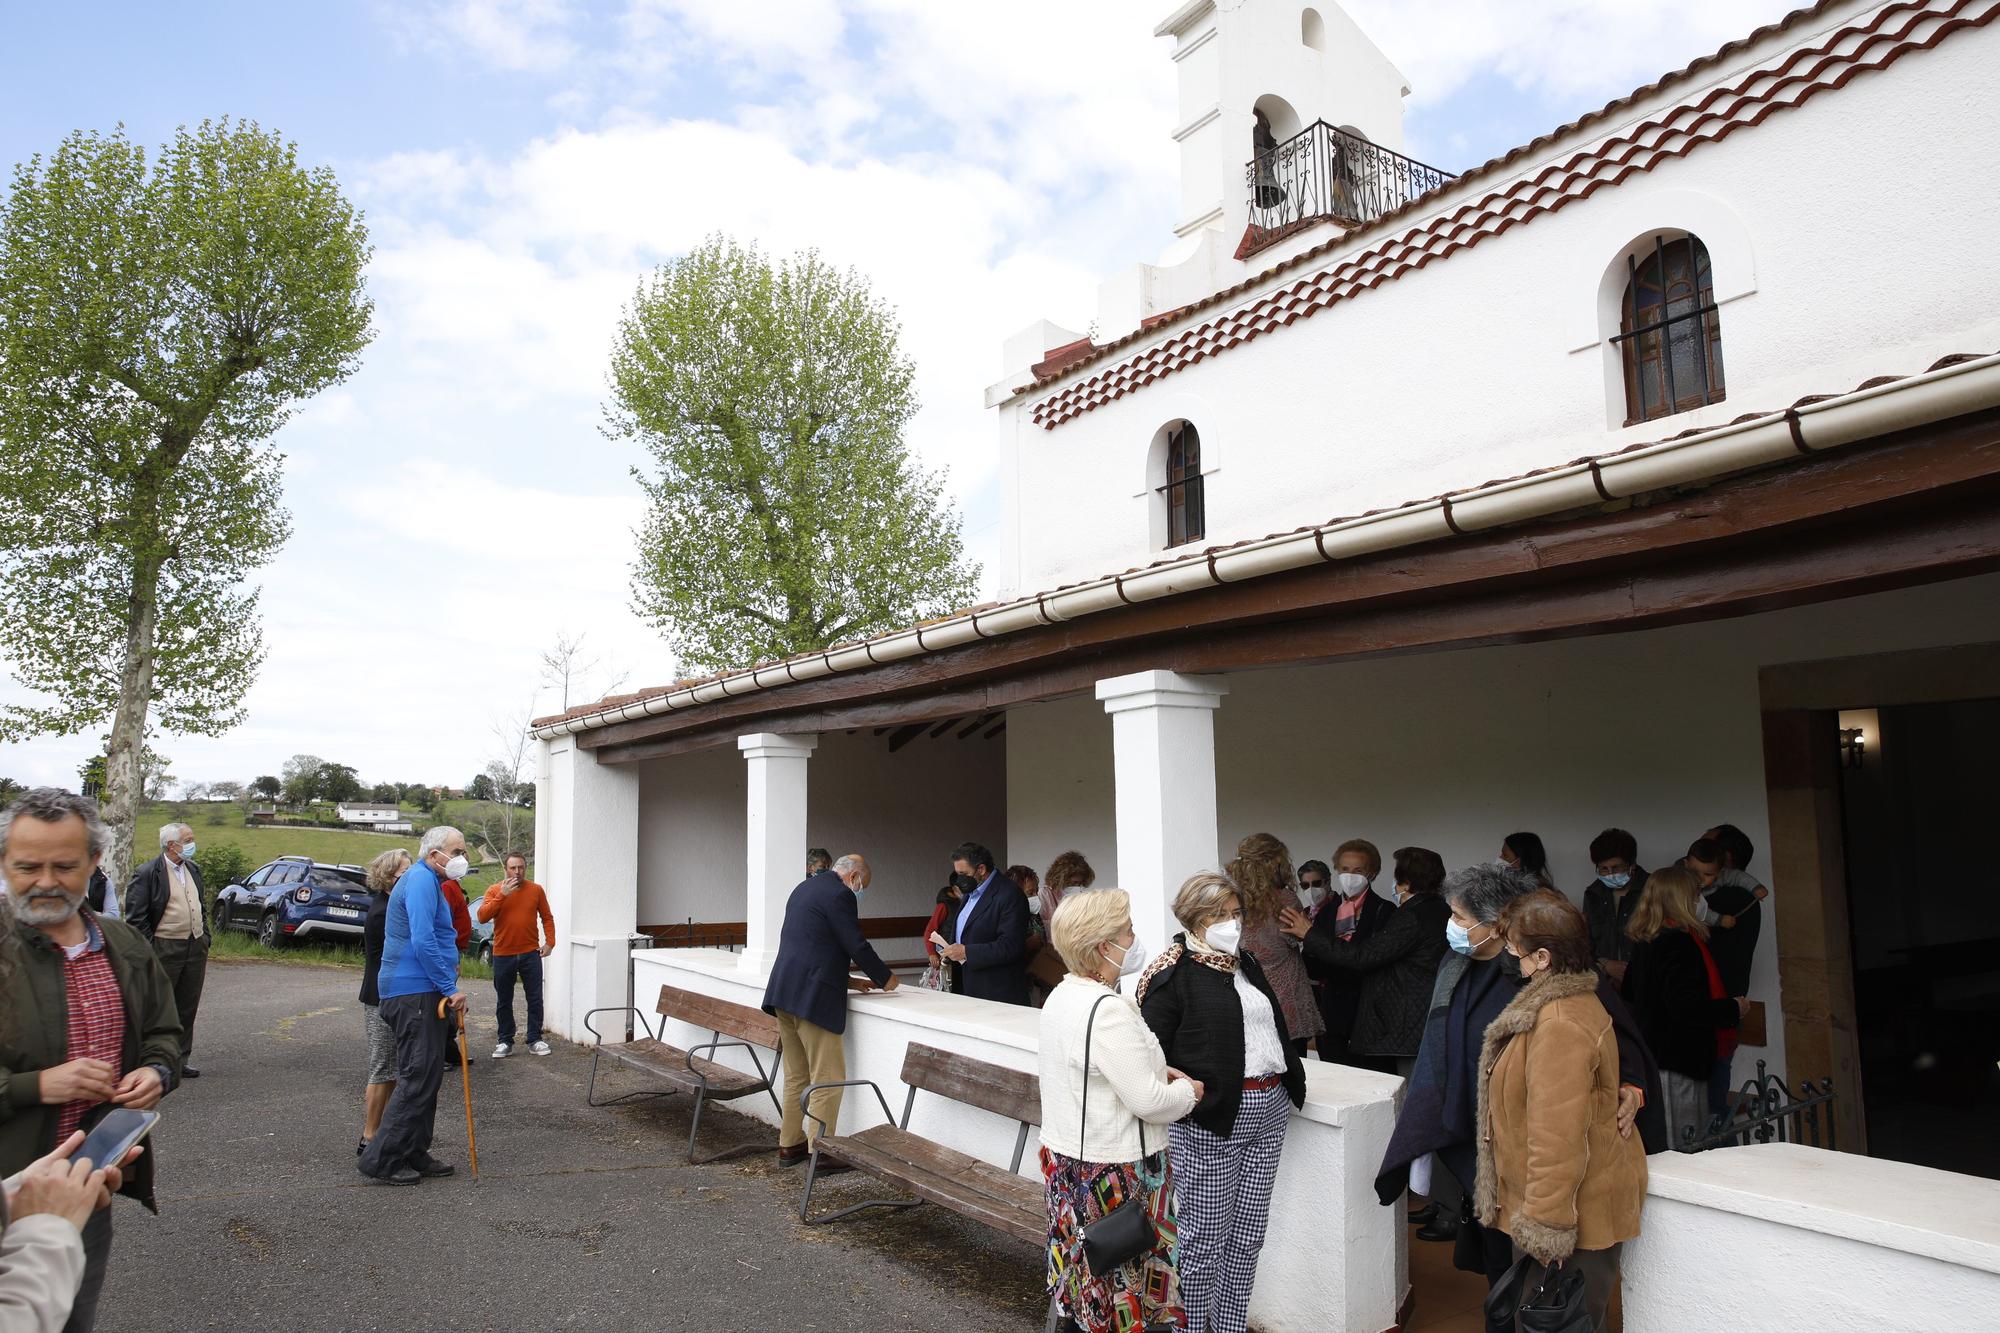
(1615,881)
(1459,938)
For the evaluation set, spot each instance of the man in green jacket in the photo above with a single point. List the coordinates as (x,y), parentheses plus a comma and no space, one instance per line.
(59,960)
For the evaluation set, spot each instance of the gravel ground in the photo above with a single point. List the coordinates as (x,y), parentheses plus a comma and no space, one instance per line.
(582,1217)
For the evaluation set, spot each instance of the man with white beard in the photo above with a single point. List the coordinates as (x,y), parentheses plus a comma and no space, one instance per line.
(87,1018)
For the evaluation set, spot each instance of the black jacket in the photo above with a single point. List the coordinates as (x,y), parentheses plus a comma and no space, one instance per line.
(1396,966)
(1608,915)
(1195,1012)
(96,891)
(1735,946)
(146,896)
(1666,984)
(996,944)
(821,936)
(373,931)
(1339,991)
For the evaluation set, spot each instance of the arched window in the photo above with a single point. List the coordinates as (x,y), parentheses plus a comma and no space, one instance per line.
(1312,30)
(1187,519)
(1670,334)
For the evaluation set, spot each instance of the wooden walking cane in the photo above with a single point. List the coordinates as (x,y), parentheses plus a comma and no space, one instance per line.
(465,1077)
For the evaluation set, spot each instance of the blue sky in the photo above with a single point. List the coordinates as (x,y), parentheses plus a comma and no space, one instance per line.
(523,162)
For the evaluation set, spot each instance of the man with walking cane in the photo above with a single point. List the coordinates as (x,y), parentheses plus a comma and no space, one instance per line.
(418,986)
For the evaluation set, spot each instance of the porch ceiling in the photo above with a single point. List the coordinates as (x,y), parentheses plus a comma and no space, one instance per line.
(1913,507)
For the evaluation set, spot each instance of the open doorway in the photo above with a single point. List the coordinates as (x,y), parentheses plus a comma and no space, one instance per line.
(1918,791)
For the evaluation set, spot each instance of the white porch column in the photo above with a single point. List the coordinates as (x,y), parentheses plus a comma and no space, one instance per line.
(1163,754)
(587,859)
(776,834)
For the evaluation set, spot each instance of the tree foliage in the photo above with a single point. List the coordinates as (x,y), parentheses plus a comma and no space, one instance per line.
(158,321)
(268,787)
(786,513)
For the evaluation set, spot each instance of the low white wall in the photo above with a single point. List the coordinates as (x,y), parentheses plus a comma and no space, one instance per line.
(1782,1234)
(1335,1259)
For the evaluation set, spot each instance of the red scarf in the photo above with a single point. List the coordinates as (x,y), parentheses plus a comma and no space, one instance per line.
(1725,1038)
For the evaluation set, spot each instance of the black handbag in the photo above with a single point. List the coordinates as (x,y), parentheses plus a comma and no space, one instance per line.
(1126,1232)
(1468,1248)
(1555,1304)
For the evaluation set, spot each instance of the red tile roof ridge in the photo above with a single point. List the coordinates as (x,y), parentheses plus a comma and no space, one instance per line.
(1181,557)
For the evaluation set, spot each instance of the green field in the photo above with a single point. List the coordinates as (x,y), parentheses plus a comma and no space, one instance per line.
(218,824)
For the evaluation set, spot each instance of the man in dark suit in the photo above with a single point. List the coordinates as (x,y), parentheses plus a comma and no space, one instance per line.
(988,932)
(807,994)
(168,904)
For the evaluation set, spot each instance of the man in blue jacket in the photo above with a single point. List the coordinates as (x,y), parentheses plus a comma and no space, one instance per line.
(807,994)
(419,968)
(989,931)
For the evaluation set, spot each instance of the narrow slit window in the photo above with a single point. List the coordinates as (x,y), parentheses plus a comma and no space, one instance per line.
(1186,516)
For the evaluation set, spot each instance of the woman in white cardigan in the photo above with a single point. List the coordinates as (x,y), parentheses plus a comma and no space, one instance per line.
(1091,1168)
(43,1208)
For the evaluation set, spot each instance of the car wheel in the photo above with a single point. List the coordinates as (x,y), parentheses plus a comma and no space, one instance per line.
(486,952)
(268,933)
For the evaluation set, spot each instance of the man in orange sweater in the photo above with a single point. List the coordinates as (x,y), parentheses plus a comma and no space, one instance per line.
(512,906)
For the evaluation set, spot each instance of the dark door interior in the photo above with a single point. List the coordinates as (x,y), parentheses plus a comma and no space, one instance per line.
(1921,806)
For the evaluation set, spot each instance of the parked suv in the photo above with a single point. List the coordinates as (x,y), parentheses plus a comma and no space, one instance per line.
(296,897)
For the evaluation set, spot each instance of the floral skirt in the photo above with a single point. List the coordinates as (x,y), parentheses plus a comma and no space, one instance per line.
(1146,1293)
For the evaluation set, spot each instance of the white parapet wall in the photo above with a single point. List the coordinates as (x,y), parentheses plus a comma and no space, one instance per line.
(1335,1260)
(1782,1234)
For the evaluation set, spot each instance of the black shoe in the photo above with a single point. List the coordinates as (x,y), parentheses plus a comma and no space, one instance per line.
(1439,1228)
(402,1175)
(361,1147)
(831,1168)
(189,1071)
(430,1167)
(1427,1213)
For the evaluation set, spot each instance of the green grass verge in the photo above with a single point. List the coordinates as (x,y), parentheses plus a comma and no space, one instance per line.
(237,944)
(216,824)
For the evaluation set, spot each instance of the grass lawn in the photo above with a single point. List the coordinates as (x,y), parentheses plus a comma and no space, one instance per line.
(243,945)
(215,824)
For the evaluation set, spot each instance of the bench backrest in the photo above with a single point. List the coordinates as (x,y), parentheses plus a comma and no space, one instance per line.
(991,1087)
(731,1020)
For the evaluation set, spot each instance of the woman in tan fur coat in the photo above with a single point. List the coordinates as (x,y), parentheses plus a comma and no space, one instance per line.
(1554,1172)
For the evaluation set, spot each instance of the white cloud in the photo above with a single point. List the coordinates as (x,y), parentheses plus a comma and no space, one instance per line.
(529,36)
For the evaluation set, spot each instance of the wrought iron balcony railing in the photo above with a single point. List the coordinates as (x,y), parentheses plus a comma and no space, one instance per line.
(1322,172)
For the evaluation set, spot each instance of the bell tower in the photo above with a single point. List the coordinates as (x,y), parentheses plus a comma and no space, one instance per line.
(1254,76)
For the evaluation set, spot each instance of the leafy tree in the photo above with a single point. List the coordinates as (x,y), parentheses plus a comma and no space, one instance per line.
(90,778)
(482,789)
(221,864)
(225,791)
(338,782)
(424,798)
(155,779)
(302,773)
(9,789)
(158,322)
(786,512)
(267,787)
(384,793)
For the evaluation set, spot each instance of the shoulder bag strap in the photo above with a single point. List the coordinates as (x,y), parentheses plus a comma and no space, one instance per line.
(1083,1130)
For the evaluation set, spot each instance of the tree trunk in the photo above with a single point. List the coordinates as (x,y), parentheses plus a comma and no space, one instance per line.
(122,779)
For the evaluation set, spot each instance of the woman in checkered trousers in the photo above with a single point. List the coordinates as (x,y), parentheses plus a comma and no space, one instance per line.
(1218,1019)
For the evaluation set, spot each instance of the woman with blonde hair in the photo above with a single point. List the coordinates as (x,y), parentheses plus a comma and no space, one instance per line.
(383,872)
(1104,1081)
(1262,874)
(1216,1016)
(1555,1172)
(1675,991)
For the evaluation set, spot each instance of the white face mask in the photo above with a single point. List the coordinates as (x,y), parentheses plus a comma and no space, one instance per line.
(1351,884)
(1224,936)
(1134,961)
(458,867)
(1034,906)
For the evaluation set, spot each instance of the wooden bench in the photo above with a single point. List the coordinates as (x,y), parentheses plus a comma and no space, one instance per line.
(689,1071)
(934,1173)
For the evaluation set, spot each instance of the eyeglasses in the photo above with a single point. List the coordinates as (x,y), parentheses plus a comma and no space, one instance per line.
(1312,883)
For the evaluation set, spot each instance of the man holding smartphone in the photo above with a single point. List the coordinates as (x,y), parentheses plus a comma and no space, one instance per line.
(419,975)
(515,906)
(69,979)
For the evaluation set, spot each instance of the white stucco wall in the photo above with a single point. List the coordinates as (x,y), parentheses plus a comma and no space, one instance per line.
(1483,364)
(1753,1237)
(904,811)
(1657,731)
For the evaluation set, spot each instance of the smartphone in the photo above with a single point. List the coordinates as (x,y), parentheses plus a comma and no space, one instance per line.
(115,1135)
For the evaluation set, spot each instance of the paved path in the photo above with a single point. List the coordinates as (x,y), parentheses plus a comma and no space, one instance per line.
(583,1219)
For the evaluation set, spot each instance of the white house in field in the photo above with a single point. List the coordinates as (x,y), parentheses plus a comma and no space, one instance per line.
(1646,476)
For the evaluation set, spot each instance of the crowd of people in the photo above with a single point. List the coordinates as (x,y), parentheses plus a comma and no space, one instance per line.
(1548,1048)
(99,991)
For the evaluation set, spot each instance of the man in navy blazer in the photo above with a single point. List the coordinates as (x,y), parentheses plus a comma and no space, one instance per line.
(988,932)
(807,993)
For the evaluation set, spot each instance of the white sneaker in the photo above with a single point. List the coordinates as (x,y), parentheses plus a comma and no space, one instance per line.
(540,1048)
(502,1051)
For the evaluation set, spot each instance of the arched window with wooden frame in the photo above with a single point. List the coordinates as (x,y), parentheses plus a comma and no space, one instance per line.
(1670,333)
(1187,519)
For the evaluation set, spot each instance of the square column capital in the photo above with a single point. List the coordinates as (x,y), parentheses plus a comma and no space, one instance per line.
(1160,689)
(771,745)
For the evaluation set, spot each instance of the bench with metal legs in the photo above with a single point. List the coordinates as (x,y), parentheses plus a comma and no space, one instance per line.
(691,1071)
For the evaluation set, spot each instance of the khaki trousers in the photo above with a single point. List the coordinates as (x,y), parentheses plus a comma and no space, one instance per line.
(812,1055)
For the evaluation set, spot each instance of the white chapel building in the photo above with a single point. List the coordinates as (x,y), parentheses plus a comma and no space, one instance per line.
(1646,476)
